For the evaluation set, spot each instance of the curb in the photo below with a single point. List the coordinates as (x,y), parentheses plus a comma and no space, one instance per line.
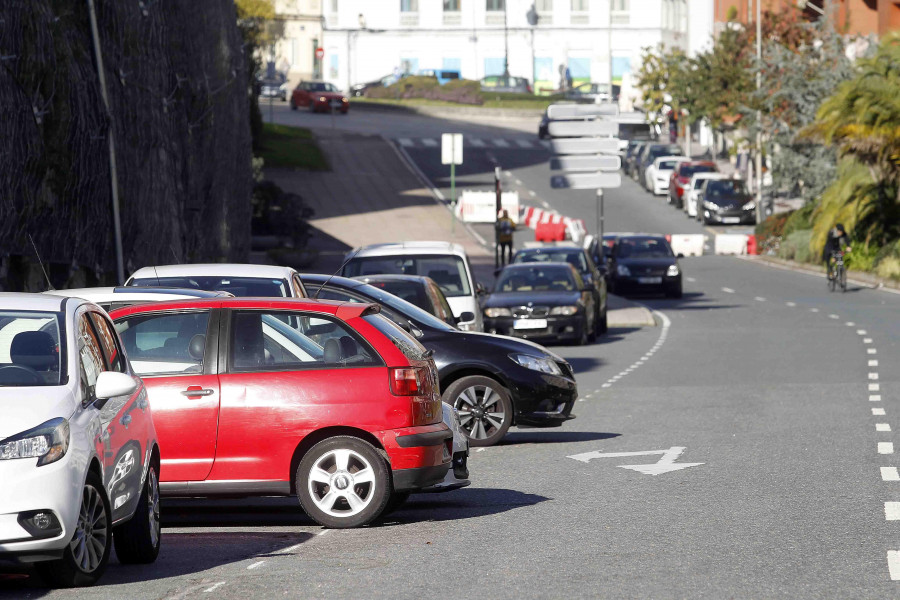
(628,313)
(861,279)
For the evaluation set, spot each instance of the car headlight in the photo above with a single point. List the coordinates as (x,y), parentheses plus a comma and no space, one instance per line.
(564,310)
(497,312)
(344,100)
(48,442)
(672,271)
(623,271)
(710,205)
(750,205)
(536,363)
(322,98)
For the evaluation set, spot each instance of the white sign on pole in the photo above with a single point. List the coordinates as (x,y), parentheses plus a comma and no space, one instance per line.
(581,111)
(601,162)
(451,149)
(583,128)
(586,181)
(585,145)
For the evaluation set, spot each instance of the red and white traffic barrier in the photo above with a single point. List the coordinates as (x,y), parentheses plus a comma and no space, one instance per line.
(538,219)
(687,244)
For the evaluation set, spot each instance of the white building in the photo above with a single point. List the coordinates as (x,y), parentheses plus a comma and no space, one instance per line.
(598,40)
(298,27)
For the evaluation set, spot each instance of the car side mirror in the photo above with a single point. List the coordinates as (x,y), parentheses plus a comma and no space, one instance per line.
(680,255)
(466,316)
(112,383)
(480,289)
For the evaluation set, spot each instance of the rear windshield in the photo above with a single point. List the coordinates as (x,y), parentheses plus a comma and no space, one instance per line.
(29,348)
(256,287)
(643,247)
(688,170)
(405,343)
(667,165)
(656,151)
(447,270)
(573,257)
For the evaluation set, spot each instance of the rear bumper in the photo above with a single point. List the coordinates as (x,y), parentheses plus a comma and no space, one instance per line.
(419,456)
(416,479)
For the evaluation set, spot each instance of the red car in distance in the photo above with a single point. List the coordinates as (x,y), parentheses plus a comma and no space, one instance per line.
(319,96)
(328,401)
(680,178)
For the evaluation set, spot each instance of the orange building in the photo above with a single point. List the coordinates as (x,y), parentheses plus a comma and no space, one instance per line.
(855,17)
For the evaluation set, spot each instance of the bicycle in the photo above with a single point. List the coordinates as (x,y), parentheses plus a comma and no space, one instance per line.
(837,274)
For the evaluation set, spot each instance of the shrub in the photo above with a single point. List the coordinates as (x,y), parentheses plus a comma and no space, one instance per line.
(887,261)
(799,219)
(796,246)
(770,233)
(862,257)
(460,91)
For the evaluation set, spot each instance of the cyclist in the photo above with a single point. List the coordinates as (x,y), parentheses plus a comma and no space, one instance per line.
(836,240)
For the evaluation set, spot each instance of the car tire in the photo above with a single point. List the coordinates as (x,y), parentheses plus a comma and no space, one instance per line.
(78,567)
(137,540)
(602,324)
(327,466)
(293,106)
(585,336)
(478,392)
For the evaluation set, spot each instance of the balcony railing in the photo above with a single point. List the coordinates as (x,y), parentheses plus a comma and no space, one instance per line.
(620,18)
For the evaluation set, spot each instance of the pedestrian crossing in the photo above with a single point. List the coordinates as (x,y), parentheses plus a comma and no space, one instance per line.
(474,142)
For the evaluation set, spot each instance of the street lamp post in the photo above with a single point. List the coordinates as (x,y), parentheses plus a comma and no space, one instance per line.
(505,40)
(760,214)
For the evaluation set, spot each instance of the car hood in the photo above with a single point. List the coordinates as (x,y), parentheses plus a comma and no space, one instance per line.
(647,262)
(533,298)
(500,344)
(329,95)
(26,407)
(728,201)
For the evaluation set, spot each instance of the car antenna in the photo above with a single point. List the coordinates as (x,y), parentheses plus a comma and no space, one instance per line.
(343,264)
(155,272)
(40,262)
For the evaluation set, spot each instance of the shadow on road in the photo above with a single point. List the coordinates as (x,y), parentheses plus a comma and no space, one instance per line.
(553,436)
(584,363)
(465,503)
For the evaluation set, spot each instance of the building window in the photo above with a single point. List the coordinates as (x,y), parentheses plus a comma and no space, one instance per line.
(334,5)
(408,6)
(579,5)
(451,5)
(620,10)
(494,5)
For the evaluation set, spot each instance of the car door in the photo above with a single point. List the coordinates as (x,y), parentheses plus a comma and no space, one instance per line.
(287,373)
(175,353)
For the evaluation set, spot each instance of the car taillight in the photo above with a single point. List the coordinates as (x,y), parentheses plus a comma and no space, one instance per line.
(407,381)
(683,180)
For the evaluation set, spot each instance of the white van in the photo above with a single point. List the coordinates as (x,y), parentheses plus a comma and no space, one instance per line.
(446,263)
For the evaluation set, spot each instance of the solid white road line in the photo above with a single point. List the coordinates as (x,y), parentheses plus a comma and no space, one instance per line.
(874,387)
(523,144)
(477,143)
(890,474)
(728,290)
(214,586)
(873,363)
(406,142)
(882,427)
(429,142)
(875,398)
(885,447)
(500,143)
(893,559)
(256,564)
(871,350)
(892,511)
(877,412)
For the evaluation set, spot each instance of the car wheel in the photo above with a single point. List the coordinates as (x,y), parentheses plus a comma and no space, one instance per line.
(602,324)
(485,410)
(85,558)
(343,482)
(137,540)
(583,339)
(293,106)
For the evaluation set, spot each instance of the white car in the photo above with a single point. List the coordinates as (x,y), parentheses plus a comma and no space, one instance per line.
(446,263)
(79,459)
(111,298)
(238,279)
(660,171)
(693,191)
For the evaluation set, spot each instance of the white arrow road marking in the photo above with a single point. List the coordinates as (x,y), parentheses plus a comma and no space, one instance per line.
(665,464)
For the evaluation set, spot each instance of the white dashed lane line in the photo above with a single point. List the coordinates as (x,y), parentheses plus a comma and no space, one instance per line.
(883,427)
(760,299)
(893,559)
(875,398)
(666,323)
(728,290)
(885,447)
(892,511)
(873,376)
(871,351)
(791,304)
(877,412)
(814,310)
(890,474)
(873,363)
(874,387)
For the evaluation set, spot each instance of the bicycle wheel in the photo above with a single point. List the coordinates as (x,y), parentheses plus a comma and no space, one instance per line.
(843,279)
(832,278)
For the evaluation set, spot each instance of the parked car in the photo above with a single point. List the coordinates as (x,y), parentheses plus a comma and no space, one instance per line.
(726,201)
(657,174)
(650,153)
(319,96)
(111,298)
(593,93)
(546,301)
(79,459)
(632,156)
(415,289)
(328,401)
(273,87)
(442,75)
(592,274)
(236,279)
(446,263)
(643,263)
(632,126)
(690,196)
(505,84)
(360,89)
(680,178)
(494,381)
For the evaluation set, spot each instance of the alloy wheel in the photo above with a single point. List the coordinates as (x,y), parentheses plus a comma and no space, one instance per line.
(342,483)
(91,531)
(153,506)
(481,413)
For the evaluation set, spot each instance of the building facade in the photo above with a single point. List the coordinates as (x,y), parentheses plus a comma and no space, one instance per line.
(298,32)
(596,40)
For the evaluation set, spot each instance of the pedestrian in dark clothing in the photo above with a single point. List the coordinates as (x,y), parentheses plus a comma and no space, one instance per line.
(505,228)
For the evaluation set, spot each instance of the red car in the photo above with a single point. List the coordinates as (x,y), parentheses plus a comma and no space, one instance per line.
(328,401)
(681,178)
(319,96)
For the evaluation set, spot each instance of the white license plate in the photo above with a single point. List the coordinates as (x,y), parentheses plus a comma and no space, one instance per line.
(530,324)
(336,103)
(649,279)
(731,219)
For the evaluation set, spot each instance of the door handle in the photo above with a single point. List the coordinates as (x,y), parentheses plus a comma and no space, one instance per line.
(126,421)
(197,391)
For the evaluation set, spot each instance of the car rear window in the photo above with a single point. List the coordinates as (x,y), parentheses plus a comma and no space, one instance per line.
(412,292)
(238,286)
(688,170)
(405,343)
(447,270)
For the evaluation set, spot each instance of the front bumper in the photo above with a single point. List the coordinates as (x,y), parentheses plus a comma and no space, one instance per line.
(326,105)
(558,328)
(542,399)
(660,188)
(52,488)
(730,216)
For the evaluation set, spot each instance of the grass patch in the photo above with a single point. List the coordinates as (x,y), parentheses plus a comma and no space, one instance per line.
(491,101)
(291,147)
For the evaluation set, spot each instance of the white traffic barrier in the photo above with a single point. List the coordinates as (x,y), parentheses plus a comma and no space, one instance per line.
(531,217)
(731,243)
(478,207)
(690,244)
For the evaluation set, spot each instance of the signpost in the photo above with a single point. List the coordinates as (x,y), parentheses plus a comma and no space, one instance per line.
(452,154)
(320,53)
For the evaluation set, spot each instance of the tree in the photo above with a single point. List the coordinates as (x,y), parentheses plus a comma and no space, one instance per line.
(659,66)
(252,17)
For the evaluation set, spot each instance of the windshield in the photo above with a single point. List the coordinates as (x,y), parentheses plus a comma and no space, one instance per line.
(405,343)
(447,270)
(647,247)
(29,348)
(725,187)
(536,279)
(573,257)
(688,170)
(699,181)
(656,151)
(321,87)
(667,165)
(239,286)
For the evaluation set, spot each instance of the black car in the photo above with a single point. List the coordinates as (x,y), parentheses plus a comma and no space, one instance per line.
(726,201)
(640,263)
(593,274)
(360,89)
(649,153)
(545,301)
(416,289)
(493,381)
(544,126)
(632,153)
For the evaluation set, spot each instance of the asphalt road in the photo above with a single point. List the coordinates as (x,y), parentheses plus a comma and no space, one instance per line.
(757,426)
